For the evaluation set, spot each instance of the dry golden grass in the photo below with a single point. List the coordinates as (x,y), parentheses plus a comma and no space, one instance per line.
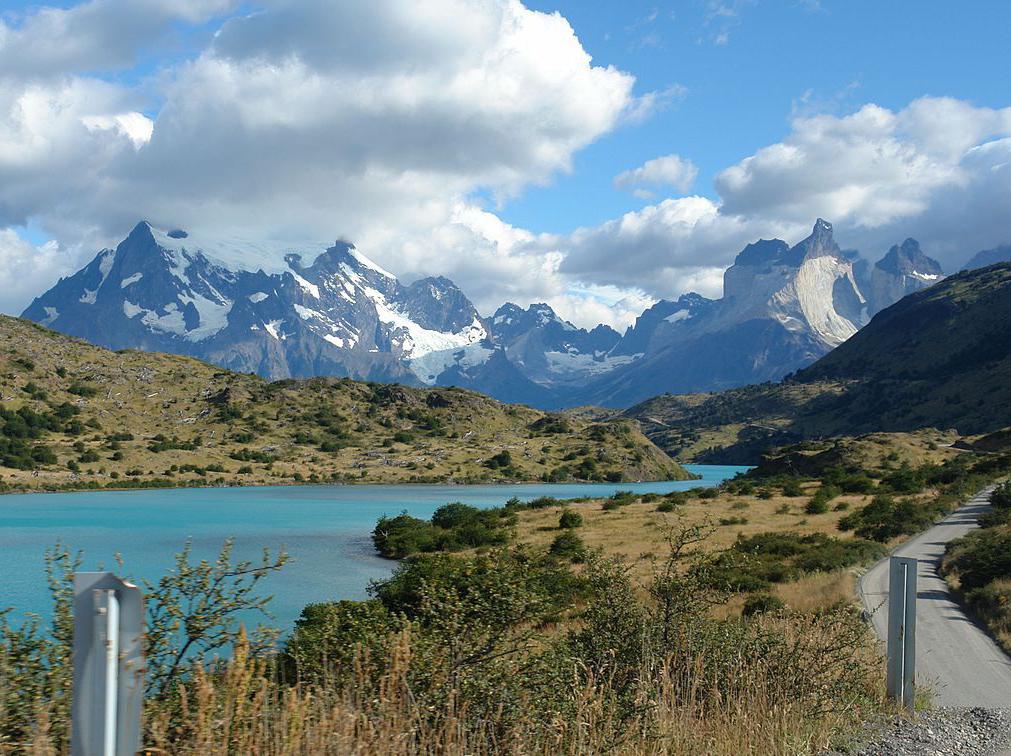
(636,532)
(242,709)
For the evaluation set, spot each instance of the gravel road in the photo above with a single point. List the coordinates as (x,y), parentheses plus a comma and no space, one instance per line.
(955,658)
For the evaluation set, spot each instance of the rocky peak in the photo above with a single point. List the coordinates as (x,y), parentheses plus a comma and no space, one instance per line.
(820,243)
(763,252)
(907,259)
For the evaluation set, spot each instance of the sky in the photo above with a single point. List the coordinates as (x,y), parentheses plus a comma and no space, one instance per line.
(598,156)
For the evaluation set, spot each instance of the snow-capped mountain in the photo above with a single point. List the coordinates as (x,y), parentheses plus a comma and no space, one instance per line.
(550,351)
(271,311)
(329,310)
(783,307)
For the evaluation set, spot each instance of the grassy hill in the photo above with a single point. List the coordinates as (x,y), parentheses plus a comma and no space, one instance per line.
(938,358)
(77,416)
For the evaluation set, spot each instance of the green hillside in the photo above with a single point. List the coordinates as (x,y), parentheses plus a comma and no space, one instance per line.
(938,358)
(77,416)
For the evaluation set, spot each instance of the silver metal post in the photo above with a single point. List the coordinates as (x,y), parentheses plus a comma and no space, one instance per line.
(110,639)
(901,680)
(108,666)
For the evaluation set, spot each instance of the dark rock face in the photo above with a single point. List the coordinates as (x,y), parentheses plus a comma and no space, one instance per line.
(903,270)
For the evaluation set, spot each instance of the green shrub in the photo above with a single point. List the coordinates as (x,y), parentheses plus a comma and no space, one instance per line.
(762,603)
(570,519)
(885,518)
(792,488)
(981,557)
(569,546)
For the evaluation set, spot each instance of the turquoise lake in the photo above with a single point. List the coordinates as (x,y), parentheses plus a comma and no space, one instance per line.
(325,529)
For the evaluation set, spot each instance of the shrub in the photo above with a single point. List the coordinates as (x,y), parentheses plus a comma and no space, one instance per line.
(761,603)
(570,519)
(792,488)
(568,545)
(981,557)
(885,518)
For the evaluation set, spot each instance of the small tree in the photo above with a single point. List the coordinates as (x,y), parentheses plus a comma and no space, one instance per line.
(570,520)
(194,611)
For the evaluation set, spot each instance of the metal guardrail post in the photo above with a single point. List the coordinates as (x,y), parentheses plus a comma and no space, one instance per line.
(901,681)
(108,666)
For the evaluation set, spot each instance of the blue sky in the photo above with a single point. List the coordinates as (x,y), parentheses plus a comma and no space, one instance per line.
(779,58)
(477,140)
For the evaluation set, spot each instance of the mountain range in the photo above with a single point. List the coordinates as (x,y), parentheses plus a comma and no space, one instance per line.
(938,358)
(283,313)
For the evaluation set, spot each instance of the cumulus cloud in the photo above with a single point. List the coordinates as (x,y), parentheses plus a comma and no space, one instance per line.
(28,269)
(95,35)
(380,122)
(667,171)
(938,170)
(309,119)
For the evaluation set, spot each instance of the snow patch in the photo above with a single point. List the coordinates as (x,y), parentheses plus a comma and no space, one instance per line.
(131,310)
(428,367)
(232,253)
(676,317)
(272,327)
(367,263)
(307,312)
(213,316)
(89,296)
(337,342)
(131,280)
(171,322)
(309,288)
(586,364)
(51,314)
(415,340)
(257,297)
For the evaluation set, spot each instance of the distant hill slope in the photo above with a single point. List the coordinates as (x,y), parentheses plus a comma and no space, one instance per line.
(75,415)
(940,357)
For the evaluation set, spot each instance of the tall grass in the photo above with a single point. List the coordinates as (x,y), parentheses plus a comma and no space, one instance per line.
(761,704)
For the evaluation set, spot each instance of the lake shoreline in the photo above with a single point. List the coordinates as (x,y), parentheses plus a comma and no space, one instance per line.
(324,527)
(335,484)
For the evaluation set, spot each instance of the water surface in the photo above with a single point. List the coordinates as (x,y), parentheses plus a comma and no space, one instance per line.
(324,528)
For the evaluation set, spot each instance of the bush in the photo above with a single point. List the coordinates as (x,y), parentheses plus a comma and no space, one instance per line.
(981,557)
(762,603)
(885,518)
(453,527)
(619,499)
(570,519)
(756,562)
(1000,498)
(568,545)
(792,488)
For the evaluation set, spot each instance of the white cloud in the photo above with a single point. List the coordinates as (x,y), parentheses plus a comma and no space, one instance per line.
(137,127)
(379,122)
(669,170)
(95,35)
(27,270)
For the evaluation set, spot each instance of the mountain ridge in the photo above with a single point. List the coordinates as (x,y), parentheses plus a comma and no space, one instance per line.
(330,310)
